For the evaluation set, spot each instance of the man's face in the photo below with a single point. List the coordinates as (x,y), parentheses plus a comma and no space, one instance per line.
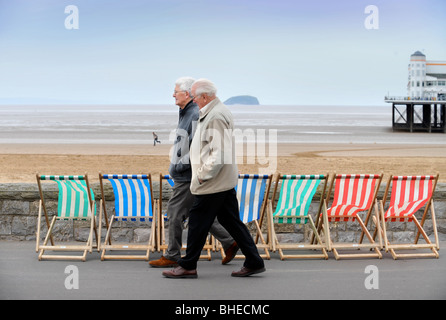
(181,97)
(200,100)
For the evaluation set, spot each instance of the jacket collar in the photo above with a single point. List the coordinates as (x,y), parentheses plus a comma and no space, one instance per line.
(189,105)
(207,108)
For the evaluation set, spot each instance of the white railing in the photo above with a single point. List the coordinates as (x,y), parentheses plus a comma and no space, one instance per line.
(406,98)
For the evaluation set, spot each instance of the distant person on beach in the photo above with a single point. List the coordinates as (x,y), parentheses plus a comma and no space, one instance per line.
(180,170)
(155,139)
(213,182)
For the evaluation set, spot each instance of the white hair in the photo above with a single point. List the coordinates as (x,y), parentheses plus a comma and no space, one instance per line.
(205,86)
(185,83)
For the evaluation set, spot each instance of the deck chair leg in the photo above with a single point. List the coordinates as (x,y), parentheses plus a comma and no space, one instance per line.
(48,236)
(100,226)
(273,232)
(39,217)
(107,237)
(90,238)
(317,237)
(384,230)
(326,226)
(425,236)
(434,225)
(153,228)
(259,235)
(369,236)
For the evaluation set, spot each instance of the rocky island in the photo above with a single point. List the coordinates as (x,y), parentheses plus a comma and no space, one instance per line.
(248,100)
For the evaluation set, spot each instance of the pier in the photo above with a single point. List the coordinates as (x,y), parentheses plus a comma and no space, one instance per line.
(427,115)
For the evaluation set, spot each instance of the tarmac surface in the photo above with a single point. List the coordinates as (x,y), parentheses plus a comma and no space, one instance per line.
(23,277)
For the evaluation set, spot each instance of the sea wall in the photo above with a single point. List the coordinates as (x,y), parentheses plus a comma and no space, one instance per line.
(19,207)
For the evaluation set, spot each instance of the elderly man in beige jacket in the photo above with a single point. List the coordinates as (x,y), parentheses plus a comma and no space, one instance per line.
(214,177)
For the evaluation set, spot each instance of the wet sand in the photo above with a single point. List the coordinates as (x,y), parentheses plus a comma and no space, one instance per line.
(20,162)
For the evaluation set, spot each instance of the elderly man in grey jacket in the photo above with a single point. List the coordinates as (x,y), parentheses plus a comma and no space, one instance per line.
(181,173)
(214,177)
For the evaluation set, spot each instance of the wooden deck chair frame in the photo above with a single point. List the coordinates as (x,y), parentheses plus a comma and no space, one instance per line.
(209,246)
(133,202)
(372,206)
(71,206)
(426,202)
(302,191)
(251,202)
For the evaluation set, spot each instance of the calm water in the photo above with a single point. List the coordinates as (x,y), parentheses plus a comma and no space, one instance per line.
(134,124)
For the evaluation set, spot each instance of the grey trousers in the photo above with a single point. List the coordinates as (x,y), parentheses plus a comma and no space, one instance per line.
(178,209)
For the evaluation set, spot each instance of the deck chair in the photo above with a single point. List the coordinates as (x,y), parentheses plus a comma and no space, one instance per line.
(251,190)
(209,246)
(353,194)
(409,195)
(133,202)
(293,206)
(75,202)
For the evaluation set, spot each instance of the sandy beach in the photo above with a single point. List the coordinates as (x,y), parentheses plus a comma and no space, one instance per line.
(118,139)
(20,162)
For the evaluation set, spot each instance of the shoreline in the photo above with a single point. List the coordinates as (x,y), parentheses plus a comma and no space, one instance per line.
(283,149)
(20,162)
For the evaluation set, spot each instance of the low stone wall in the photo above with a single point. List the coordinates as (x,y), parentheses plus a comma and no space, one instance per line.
(19,207)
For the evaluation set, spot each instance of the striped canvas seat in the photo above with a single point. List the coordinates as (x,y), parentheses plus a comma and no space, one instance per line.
(296,195)
(133,196)
(293,207)
(353,194)
(75,202)
(251,190)
(133,202)
(250,194)
(409,194)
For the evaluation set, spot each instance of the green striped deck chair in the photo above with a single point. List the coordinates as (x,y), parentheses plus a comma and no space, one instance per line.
(296,195)
(75,202)
(134,205)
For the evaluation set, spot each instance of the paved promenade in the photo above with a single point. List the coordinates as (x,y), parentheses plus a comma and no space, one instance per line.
(22,276)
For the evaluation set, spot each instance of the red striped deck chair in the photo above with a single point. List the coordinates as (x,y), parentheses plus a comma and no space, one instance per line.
(293,207)
(353,194)
(134,206)
(251,190)
(75,203)
(409,195)
(167,181)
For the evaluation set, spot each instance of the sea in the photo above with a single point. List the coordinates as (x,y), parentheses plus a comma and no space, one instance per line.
(134,124)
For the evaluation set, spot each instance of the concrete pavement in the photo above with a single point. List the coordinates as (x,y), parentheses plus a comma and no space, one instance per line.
(22,276)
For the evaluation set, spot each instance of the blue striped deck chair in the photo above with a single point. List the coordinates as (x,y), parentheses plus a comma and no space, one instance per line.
(296,195)
(75,202)
(161,234)
(251,190)
(134,205)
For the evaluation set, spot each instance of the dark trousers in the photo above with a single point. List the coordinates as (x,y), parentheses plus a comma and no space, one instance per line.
(224,206)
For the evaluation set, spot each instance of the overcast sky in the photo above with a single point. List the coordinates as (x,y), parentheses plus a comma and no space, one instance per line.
(283,52)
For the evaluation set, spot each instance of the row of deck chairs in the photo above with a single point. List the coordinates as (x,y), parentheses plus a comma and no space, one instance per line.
(354,200)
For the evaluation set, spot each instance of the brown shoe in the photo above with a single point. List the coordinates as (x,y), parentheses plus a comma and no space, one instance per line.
(230,253)
(163,263)
(180,273)
(245,272)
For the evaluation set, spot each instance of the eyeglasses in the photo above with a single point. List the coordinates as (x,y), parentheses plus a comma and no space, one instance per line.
(196,97)
(175,92)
